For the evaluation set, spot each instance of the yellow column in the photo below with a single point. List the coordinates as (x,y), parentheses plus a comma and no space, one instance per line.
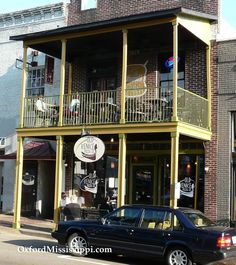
(23,86)
(121,170)
(208,66)
(18,183)
(58,178)
(174,167)
(124,75)
(175,70)
(62,81)
(196,183)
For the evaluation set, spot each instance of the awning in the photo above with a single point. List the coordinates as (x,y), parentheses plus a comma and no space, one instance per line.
(35,151)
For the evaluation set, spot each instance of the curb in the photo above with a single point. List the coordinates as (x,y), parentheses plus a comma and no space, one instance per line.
(29,232)
(35,233)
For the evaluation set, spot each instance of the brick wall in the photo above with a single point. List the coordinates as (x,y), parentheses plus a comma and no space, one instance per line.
(195,71)
(107,9)
(210,207)
(227,105)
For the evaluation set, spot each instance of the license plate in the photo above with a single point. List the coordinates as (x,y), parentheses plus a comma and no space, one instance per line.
(234,239)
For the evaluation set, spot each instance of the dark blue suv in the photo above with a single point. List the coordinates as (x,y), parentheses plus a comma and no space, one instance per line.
(181,236)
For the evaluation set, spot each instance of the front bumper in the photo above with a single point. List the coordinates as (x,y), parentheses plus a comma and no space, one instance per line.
(60,237)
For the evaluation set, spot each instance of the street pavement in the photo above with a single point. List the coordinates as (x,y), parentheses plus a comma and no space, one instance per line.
(20,249)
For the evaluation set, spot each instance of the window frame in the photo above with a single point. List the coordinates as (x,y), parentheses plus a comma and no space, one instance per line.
(85,4)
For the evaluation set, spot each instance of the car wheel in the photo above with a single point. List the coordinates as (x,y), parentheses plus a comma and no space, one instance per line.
(77,245)
(178,256)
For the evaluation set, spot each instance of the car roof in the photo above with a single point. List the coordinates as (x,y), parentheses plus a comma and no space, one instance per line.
(145,206)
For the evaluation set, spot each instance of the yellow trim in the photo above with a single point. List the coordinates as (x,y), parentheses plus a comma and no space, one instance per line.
(121,170)
(18,183)
(208,66)
(23,86)
(194,131)
(174,167)
(100,129)
(99,31)
(124,75)
(58,178)
(175,70)
(62,81)
(196,184)
(201,28)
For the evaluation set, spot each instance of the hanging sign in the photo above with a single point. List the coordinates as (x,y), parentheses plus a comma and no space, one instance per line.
(89,149)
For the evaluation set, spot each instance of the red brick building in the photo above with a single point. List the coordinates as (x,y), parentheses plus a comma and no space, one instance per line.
(145,76)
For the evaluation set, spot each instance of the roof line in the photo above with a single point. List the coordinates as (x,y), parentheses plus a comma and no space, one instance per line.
(112,22)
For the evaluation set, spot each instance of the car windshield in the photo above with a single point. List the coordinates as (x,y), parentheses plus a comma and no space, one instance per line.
(198,219)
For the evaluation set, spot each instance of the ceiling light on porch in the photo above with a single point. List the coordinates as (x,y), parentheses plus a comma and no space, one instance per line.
(112,140)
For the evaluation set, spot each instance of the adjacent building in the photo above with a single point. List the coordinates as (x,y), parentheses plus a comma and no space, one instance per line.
(37,64)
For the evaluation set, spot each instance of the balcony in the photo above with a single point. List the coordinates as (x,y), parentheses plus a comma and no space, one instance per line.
(142,105)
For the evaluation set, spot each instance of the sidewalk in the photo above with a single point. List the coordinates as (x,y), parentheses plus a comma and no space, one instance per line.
(29,226)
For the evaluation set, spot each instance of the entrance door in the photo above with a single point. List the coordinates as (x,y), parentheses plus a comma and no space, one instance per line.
(143,184)
(29,189)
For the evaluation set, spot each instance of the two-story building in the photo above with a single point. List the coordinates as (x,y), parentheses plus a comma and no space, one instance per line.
(141,76)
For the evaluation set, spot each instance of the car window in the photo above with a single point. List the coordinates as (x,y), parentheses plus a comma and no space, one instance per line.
(198,219)
(156,219)
(124,216)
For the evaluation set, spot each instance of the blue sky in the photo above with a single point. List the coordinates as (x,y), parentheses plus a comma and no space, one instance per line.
(228,7)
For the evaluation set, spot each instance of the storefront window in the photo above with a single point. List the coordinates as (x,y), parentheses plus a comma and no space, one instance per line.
(191,178)
(96,180)
(233,170)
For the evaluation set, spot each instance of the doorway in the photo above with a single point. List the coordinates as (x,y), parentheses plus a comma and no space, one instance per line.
(29,189)
(144,183)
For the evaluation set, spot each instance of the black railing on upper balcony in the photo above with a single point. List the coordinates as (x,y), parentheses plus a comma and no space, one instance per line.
(103,107)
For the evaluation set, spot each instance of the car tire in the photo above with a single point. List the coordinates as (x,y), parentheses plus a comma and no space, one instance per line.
(78,245)
(178,256)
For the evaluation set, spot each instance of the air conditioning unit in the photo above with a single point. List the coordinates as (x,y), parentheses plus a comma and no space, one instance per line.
(2,142)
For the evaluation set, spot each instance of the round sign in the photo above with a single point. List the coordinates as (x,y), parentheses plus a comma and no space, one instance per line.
(89,149)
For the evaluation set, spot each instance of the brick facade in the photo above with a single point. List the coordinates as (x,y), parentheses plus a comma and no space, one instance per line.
(107,9)
(211,146)
(227,105)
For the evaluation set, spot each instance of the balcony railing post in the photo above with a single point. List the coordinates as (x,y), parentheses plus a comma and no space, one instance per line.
(124,75)
(175,70)
(23,87)
(62,81)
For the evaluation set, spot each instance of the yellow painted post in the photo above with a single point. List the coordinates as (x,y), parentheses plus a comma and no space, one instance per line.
(62,81)
(58,178)
(121,170)
(174,167)
(175,70)
(18,183)
(208,66)
(23,86)
(196,183)
(124,75)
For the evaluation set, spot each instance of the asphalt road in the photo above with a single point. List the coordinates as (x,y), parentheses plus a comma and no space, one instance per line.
(19,249)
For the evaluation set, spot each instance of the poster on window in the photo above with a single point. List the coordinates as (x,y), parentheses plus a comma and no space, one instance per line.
(49,69)
(187,187)
(87,182)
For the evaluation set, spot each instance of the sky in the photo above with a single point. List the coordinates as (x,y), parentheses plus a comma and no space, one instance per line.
(228,7)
